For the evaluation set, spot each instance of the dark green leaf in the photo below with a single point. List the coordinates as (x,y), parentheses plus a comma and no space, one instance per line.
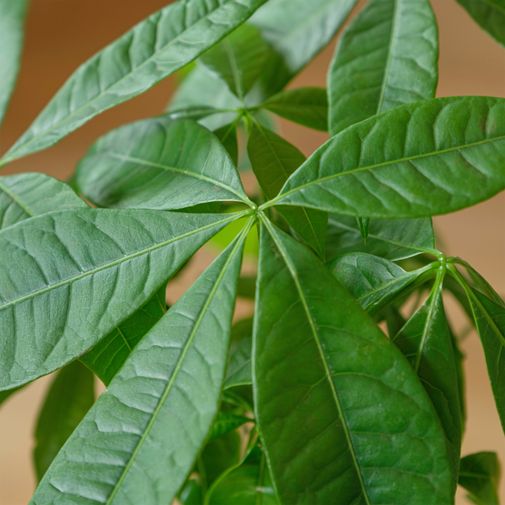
(227,135)
(226,422)
(109,355)
(490,14)
(192,492)
(12,17)
(307,106)
(480,475)
(109,263)
(155,48)
(140,440)
(386,58)
(342,415)
(70,396)
(239,363)
(30,194)
(4,395)
(219,455)
(427,158)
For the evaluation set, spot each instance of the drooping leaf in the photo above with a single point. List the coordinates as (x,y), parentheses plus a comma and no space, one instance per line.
(157,47)
(109,355)
(158,164)
(374,281)
(31,194)
(479,474)
(427,158)
(238,60)
(79,274)
(273,160)
(489,14)
(70,396)
(140,440)
(12,17)
(342,414)
(239,365)
(386,58)
(392,239)
(307,106)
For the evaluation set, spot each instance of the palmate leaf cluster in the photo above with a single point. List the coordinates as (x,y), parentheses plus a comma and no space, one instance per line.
(345,385)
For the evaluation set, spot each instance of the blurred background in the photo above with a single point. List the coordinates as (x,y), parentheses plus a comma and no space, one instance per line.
(61,34)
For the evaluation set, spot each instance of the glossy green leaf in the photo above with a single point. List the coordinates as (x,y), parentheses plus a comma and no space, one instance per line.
(158,164)
(191,493)
(374,281)
(140,440)
(386,58)
(273,160)
(239,364)
(307,106)
(480,475)
(70,396)
(489,14)
(426,340)
(342,414)
(27,195)
(427,158)
(157,47)
(393,239)
(109,263)
(238,60)
(109,355)
(12,17)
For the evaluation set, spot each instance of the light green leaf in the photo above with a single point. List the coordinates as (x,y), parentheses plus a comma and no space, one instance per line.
(239,364)
(427,158)
(386,58)
(12,17)
(273,160)
(489,14)
(109,355)
(159,164)
(110,262)
(70,396)
(393,239)
(342,414)
(31,194)
(307,106)
(140,440)
(238,60)
(157,47)
(480,475)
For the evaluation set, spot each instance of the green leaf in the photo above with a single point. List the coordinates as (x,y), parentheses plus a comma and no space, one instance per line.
(239,363)
(273,160)
(227,422)
(159,164)
(163,43)
(427,342)
(110,262)
(427,158)
(27,195)
(227,135)
(342,414)
(480,475)
(5,395)
(374,281)
(12,17)
(70,396)
(109,355)
(307,106)
(489,14)
(192,493)
(140,440)
(386,58)
(238,60)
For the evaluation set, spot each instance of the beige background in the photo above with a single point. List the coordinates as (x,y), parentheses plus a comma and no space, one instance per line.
(63,33)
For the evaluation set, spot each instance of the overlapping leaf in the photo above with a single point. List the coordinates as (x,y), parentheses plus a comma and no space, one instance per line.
(480,475)
(490,14)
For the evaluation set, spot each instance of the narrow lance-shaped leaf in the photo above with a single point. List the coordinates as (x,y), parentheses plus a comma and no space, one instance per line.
(480,475)
(140,440)
(426,158)
(158,46)
(70,396)
(386,58)
(12,17)
(342,414)
(159,164)
(489,14)
(27,195)
(273,160)
(79,274)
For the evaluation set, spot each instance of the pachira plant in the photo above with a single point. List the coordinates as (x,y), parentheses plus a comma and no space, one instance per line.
(345,384)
